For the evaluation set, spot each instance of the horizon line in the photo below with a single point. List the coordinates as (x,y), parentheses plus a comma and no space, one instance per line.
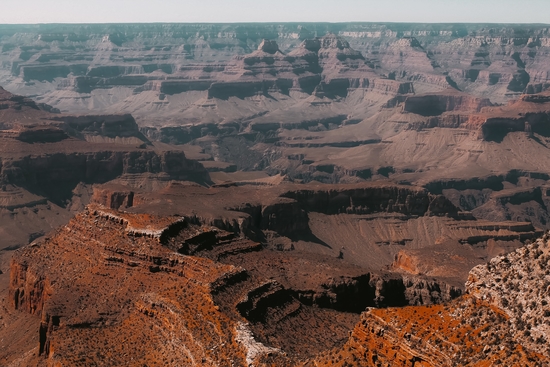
(279,22)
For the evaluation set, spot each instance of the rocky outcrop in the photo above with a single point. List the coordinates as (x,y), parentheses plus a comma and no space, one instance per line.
(354,294)
(147,246)
(391,199)
(48,289)
(502,318)
(110,126)
(72,281)
(46,155)
(269,46)
(114,199)
(530,113)
(76,297)
(14,102)
(284,216)
(51,170)
(72,161)
(28,289)
(326,64)
(447,109)
(464,332)
(437,104)
(517,284)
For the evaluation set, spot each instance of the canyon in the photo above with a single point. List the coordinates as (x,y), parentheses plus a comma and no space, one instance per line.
(187,292)
(274,194)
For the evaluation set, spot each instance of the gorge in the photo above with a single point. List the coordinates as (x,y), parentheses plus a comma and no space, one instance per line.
(274,194)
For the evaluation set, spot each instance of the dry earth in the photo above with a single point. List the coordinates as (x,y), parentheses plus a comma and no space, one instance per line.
(268,194)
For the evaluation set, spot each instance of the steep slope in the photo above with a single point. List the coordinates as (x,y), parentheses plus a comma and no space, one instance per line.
(163,304)
(47,159)
(502,321)
(97,66)
(351,166)
(321,102)
(372,226)
(484,158)
(127,288)
(112,281)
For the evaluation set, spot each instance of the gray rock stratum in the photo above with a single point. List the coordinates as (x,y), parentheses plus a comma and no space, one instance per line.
(158,71)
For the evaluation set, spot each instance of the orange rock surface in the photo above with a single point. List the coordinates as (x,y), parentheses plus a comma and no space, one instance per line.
(102,294)
(466,332)
(108,297)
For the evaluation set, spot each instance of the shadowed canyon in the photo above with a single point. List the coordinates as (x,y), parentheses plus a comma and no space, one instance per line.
(316,194)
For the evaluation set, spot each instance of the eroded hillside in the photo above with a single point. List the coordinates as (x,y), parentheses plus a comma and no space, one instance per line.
(272,195)
(119,288)
(48,162)
(502,321)
(432,105)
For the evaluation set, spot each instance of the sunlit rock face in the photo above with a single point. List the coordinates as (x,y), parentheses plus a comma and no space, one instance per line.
(274,195)
(72,67)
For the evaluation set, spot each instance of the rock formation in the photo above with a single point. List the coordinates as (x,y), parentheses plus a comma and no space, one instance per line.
(321,102)
(81,304)
(45,156)
(501,321)
(273,195)
(111,279)
(487,60)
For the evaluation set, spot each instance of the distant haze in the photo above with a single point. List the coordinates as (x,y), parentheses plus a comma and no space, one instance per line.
(226,11)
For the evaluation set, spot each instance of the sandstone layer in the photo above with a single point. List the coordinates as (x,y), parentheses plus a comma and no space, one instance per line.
(274,195)
(48,160)
(120,287)
(501,321)
(320,102)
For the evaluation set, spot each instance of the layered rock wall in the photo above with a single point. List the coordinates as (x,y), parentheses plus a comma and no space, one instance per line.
(97,167)
(369,200)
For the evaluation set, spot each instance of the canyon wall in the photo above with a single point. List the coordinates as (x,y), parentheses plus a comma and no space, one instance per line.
(75,65)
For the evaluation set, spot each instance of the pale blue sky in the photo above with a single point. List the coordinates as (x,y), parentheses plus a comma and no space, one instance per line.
(432,11)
